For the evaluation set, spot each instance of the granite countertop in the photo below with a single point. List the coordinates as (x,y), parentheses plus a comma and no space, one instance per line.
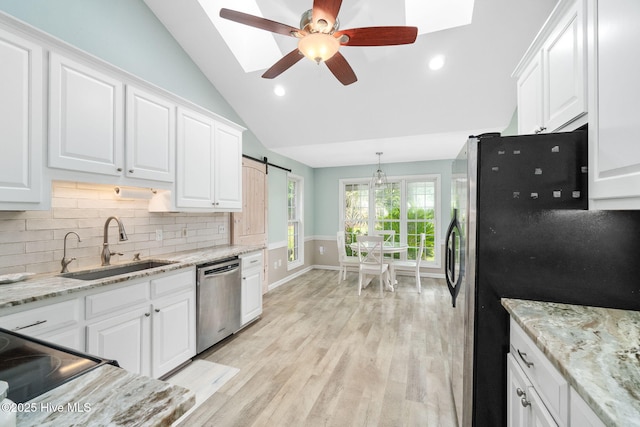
(108,396)
(596,349)
(43,286)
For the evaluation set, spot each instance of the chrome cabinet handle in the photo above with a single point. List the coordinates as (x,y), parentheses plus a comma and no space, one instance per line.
(526,362)
(520,393)
(157,310)
(119,169)
(130,170)
(525,402)
(38,322)
(147,314)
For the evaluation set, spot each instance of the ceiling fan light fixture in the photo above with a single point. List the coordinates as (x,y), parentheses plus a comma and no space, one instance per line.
(318,47)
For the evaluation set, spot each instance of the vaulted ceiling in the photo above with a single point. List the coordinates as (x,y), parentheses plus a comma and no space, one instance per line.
(398,105)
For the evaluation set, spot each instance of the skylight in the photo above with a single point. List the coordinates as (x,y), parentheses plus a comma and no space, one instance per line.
(257,49)
(253,48)
(436,15)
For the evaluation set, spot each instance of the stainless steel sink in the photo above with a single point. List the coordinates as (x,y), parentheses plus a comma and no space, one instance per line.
(114,270)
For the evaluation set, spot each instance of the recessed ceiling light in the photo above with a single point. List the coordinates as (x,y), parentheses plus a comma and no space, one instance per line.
(279,90)
(436,62)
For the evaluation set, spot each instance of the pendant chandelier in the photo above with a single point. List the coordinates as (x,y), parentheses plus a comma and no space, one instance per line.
(379,178)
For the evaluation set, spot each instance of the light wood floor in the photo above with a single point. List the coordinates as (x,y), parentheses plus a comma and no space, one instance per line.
(322,356)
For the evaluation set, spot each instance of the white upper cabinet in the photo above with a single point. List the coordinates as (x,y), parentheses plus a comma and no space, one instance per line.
(209,165)
(195,160)
(85,118)
(565,63)
(530,97)
(552,88)
(228,167)
(21,111)
(150,136)
(614,91)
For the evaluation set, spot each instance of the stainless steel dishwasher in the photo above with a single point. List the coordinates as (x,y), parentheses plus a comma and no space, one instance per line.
(218,301)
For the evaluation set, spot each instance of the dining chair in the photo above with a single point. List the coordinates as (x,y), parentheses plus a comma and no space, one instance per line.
(344,260)
(372,262)
(412,266)
(388,238)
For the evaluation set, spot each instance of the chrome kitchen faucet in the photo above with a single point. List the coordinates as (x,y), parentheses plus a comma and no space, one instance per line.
(65,262)
(105,256)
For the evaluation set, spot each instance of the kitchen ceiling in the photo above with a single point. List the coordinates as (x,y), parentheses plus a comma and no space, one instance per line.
(398,105)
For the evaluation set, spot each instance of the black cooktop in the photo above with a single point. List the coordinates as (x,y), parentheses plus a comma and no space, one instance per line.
(33,367)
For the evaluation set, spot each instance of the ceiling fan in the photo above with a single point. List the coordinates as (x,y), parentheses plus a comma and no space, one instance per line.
(320,39)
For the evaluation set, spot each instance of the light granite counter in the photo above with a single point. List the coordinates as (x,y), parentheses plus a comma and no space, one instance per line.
(44,286)
(108,396)
(597,350)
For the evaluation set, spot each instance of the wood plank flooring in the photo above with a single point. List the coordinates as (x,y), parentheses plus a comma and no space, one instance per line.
(322,356)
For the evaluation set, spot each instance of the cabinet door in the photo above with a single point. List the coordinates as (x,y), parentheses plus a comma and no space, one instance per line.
(228,168)
(71,338)
(194,180)
(125,338)
(565,66)
(150,136)
(530,99)
(518,412)
(21,133)
(174,332)
(251,302)
(615,153)
(85,118)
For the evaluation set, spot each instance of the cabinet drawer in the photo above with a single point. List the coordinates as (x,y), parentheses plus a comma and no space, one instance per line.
(173,283)
(545,378)
(43,319)
(251,260)
(117,299)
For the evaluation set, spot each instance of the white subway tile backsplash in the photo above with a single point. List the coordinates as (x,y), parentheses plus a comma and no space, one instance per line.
(33,240)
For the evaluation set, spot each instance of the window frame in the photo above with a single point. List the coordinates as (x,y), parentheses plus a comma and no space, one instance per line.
(403,180)
(299,208)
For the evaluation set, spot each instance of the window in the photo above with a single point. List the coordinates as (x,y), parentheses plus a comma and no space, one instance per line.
(295,230)
(407,205)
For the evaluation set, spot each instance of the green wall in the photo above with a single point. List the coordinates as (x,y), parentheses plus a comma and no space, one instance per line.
(128,35)
(327,189)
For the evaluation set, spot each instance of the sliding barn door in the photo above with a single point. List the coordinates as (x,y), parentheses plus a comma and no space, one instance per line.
(249,227)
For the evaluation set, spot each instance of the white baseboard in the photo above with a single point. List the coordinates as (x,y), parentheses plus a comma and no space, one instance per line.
(288,278)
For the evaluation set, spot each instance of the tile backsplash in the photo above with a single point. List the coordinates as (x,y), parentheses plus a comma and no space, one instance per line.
(32,241)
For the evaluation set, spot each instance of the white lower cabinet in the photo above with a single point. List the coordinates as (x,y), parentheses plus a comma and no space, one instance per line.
(124,338)
(537,394)
(524,405)
(251,301)
(149,338)
(58,323)
(581,414)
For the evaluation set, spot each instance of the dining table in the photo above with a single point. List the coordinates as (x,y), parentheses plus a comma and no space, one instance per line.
(388,248)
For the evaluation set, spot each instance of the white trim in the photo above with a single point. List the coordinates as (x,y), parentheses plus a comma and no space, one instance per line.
(300,211)
(288,278)
(404,179)
(277,245)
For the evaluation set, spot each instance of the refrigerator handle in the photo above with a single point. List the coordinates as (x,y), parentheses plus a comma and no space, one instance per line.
(453,282)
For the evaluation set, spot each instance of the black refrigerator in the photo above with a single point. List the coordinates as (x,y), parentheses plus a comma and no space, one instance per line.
(521,228)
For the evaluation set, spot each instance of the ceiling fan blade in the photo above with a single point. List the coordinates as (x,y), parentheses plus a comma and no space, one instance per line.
(326,10)
(283,65)
(378,36)
(261,23)
(341,69)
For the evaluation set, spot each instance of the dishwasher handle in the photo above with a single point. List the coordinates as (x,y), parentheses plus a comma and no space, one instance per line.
(220,271)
